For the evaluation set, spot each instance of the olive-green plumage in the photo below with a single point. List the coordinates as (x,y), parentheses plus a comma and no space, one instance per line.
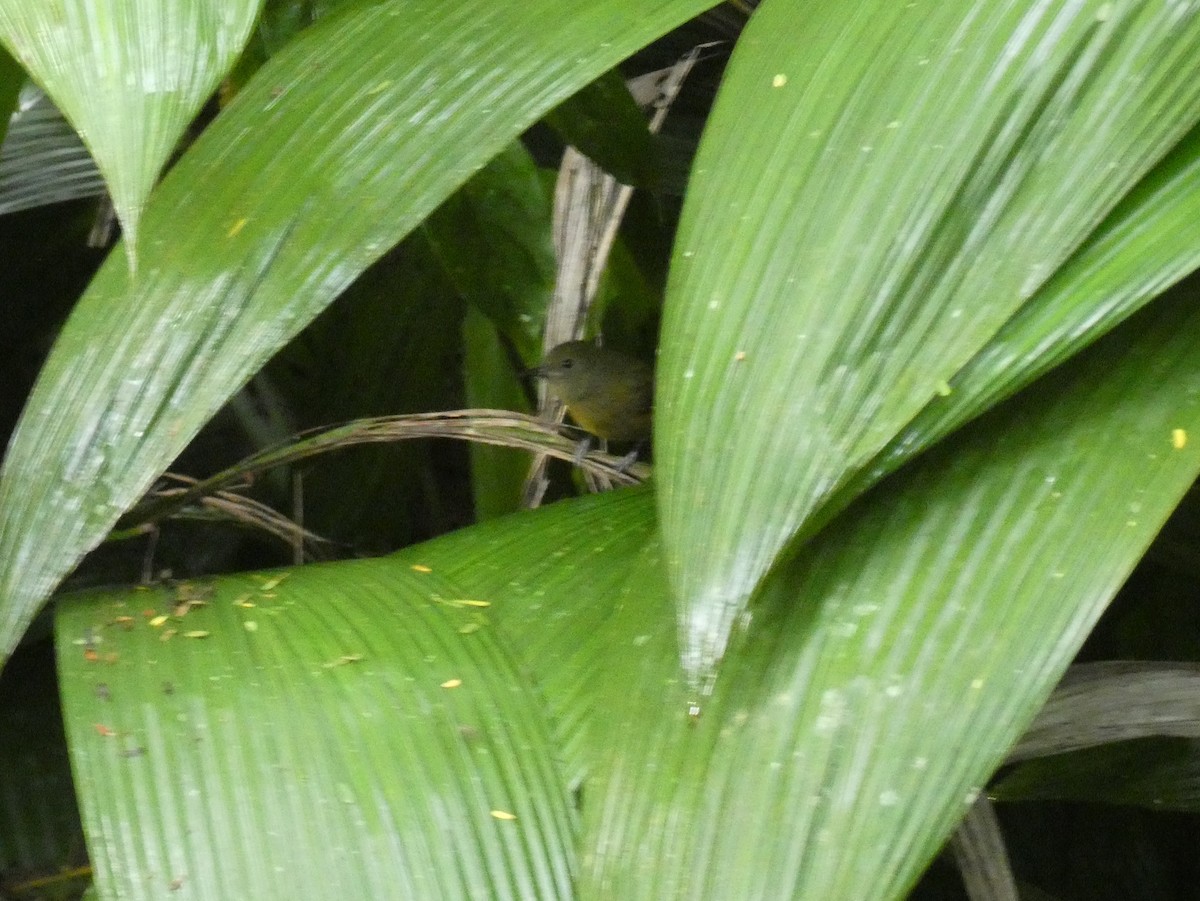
(608,393)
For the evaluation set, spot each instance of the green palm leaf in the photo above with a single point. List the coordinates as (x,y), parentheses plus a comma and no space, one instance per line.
(130,77)
(883,674)
(353,144)
(904,183)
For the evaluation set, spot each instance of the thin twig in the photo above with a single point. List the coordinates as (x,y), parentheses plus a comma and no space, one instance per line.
(497,427)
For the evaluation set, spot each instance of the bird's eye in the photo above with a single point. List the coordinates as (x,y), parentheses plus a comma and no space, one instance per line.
(568,363)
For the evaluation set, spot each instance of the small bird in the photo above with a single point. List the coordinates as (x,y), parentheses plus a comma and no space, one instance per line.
(608,393)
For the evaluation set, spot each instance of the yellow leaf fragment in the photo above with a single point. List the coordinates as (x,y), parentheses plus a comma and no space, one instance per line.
(461,602)
(343,660)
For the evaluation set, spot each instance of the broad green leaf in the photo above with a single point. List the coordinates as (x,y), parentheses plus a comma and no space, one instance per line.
(878,191)
(497,473)
(339,146)
(883,674)
(369,774)
(341,732)
(579,590)
(130,77)
(1150,241)
(885,670)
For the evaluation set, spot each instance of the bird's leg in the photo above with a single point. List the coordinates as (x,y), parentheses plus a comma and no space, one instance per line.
(630,458)
(581,450)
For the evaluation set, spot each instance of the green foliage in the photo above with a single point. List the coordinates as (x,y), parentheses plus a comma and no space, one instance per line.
(925,397)
(148,66)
